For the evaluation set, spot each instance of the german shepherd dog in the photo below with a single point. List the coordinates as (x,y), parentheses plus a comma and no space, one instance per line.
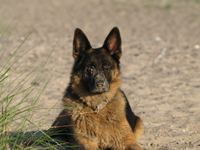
(97,114)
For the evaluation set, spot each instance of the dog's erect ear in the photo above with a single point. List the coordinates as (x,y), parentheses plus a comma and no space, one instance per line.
(113,43)
(80,43)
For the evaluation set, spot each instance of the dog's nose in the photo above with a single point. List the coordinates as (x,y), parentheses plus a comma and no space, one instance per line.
(100,84)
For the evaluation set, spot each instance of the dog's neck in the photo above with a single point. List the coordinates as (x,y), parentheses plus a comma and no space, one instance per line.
(93,100)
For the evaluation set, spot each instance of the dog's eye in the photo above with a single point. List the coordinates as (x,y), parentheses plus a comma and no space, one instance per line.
(89,67)
(106,66)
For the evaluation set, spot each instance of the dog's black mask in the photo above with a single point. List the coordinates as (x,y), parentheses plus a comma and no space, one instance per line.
(97,80)
(97,64)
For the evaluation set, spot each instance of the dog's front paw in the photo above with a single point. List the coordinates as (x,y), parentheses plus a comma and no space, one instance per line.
(133,147)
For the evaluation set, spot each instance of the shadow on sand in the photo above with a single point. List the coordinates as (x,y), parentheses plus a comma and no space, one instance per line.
(36,140)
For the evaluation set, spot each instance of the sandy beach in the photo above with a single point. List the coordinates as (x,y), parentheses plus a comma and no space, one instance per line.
(160,62)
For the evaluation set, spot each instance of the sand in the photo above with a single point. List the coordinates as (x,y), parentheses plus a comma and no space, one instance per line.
(160,62)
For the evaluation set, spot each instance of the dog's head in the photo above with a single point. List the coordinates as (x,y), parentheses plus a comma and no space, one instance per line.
(96,66)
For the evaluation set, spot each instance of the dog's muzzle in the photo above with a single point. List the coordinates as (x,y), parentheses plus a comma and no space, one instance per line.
(98,82)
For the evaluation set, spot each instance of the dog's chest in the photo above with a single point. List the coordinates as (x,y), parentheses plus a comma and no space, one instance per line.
(91,123)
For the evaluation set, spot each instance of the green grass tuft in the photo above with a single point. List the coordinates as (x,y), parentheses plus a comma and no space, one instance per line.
(15,118)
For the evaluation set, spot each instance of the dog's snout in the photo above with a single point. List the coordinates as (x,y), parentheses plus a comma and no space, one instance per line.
(100,84)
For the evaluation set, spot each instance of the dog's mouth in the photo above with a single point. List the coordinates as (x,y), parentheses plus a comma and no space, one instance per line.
(97,82)
(99,86)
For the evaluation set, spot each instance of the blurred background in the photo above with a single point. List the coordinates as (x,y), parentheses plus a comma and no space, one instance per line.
(160,62)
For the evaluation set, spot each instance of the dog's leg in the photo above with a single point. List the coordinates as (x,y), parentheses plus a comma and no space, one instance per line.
(134,121)
(139,129)
(130,143)
(129,138)
(88,143)
(133,147)
(60,123)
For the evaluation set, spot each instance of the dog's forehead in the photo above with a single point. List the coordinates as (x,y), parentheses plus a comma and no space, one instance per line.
(98,54)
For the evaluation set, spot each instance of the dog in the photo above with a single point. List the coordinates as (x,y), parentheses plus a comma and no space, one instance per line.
(97,114)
